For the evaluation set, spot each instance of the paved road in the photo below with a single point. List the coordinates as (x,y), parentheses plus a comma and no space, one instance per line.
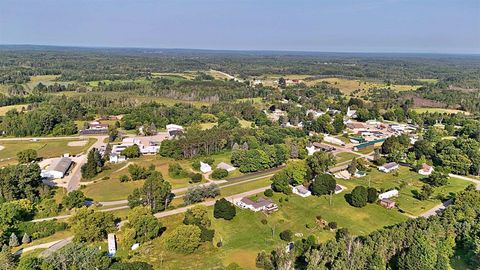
(211,202)
(76,174)
(51,249)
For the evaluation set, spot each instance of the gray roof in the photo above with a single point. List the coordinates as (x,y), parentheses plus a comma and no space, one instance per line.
(225,166)
(390,165)
(302,189)
(61,165)
(261,202)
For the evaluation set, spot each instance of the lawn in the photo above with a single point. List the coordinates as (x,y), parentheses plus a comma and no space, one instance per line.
(45,148)
(245,235)
(5,109)
(411,180)
(345,156)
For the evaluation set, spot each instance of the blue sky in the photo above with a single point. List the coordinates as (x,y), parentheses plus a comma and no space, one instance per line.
(440,26)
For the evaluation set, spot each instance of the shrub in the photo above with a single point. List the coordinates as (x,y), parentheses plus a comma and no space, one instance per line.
(124,178)
(209,161)
(219,173)
(196,165)
(224,209)
(176,171)
(41,229)
(196,177)
(74,199)
(268,193)
(358,197)
(264,221)
(332,225)
(286,235)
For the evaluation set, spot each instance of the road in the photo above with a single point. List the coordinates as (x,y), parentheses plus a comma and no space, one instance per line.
(76,174)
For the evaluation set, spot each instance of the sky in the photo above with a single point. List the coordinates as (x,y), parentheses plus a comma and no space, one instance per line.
(433,26)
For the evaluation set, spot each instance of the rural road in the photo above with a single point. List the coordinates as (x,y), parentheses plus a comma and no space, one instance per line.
(76,174)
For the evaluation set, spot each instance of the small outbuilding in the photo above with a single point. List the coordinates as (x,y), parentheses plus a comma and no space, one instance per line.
(388,167)
(112,244)
(301,191)
(225,166)
(387,203)
(205,168)
(388,194)
(426,169)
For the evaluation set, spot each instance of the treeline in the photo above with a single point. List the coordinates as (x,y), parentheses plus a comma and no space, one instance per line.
(426,244)
(14,100)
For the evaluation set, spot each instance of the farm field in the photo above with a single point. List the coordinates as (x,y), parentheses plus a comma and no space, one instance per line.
(45,148)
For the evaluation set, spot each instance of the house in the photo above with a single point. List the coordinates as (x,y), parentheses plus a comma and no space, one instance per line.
(262,204)
(351,113)
(301,190)
(333,140)
(112,244)
(387,203)
(339,188)
(174,130)
(388,194)
(205,168)
(57,169)
(388,167)
(426,169)
(114,158)
(95,127)
(315,147)
(225,166)
(314,114)
(343,175)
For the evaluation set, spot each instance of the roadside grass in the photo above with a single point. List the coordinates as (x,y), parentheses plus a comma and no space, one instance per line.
(5,109)
(111,189)
(45,148)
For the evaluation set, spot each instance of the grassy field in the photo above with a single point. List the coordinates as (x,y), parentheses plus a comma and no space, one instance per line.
(438,110)
(5,109)
(45,148)
(345,156)
(241,245)
(411,182)
(112,189)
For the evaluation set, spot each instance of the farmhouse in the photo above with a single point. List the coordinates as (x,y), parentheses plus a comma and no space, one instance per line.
(387,203)
(225,166)
(262,204)
(57,169)
(388,194)
(388,167)
(301,190)
(426,169)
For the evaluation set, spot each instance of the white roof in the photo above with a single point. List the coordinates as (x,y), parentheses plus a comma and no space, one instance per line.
(173,127)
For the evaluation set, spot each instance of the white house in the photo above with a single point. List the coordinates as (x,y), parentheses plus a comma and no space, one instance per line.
(388,167)
(114,158)
(426,169)
(205,168)
(225,166)
(112,244)
(262,204)
(57,169)
(301,190)
(388,194)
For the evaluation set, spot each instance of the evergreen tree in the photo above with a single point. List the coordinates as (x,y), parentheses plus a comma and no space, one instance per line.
(25,239)
(13,242)
(224,209)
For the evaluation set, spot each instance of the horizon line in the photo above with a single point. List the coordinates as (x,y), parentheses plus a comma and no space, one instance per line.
(239,50)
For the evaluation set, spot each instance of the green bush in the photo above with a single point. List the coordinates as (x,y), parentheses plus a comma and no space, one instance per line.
(359,196)
(176,171)
(268,193)
(42,229)
(124,178)
(196,177)
(224,209)
(219,173)
(286,235)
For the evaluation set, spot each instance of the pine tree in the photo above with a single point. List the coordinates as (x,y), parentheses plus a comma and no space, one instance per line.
(245,146)
(13,241)
(25,239)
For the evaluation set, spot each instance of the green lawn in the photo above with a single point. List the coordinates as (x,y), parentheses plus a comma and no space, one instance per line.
(345,156)
(45,148)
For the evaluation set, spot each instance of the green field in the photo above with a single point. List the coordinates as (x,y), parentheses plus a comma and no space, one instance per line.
(45,148)
(345,156)
(438,110)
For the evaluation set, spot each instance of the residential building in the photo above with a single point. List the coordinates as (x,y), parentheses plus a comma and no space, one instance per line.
(174,130)
(388,167)
(343,175)
(426,169)
(387,203)
(315,147)
(57,169)
(262,204)
(333,140)
(389,194)
(114,158)
(301,190)
(225,166)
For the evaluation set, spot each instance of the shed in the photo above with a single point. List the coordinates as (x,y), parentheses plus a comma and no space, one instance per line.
(388,194)
(225,166)
(205,168)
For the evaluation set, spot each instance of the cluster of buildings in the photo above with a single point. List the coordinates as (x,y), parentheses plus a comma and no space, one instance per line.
(95,128)
(145,145)
(261,204)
